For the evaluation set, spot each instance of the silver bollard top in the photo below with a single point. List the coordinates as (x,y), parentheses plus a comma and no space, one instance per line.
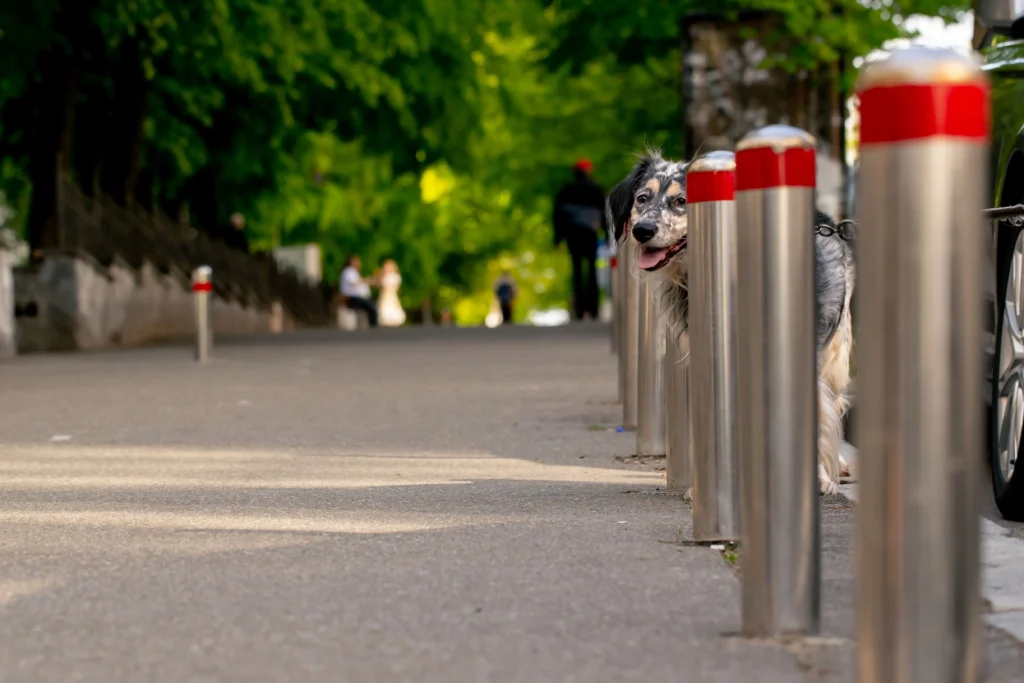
(779,137)
(775,156)
(923,93)
(921,65)
(711,178)
(201,279)
(712,162)
(202,274)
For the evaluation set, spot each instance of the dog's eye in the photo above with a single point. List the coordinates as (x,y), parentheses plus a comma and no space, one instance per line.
(641,199)
(679,202)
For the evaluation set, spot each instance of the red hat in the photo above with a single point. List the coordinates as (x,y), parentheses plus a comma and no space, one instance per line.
(584,165)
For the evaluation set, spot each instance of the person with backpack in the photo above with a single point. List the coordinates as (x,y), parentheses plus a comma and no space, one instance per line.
(505,291)
(579,221)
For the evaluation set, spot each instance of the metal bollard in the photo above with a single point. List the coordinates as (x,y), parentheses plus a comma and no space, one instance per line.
(620,330)
(924,160)
(613,288)
(628,349)
(651,429)
(617,312)
(710,190)
(780,523)
(202,287)
(677,405)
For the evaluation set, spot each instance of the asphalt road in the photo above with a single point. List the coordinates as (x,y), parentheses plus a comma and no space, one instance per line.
(408,505)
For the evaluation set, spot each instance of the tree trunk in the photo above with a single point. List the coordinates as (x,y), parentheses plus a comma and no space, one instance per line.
(125,136)
(978,35)
(848,209)
(202,191)
(684,90)
(144,190)
(51,149)
(54,97)
(800,100)
(202,200)
(90,121)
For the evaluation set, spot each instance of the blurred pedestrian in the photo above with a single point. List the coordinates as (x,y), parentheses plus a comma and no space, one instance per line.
(234,236)
(356,290)
(579,221)
(505,291)
(391,312)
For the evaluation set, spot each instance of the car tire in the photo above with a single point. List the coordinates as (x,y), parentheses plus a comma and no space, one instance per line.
(1007,383)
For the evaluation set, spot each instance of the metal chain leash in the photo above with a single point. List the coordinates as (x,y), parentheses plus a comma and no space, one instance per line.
(843,229)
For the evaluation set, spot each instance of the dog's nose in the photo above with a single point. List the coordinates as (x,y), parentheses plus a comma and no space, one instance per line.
(644,232)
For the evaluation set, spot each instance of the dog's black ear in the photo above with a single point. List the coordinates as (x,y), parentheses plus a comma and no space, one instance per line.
(620,199)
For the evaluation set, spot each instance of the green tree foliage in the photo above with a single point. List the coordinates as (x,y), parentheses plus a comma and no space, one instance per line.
(428,131)
(809,31)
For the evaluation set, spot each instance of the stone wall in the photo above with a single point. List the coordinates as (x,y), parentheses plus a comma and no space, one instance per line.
(71,303)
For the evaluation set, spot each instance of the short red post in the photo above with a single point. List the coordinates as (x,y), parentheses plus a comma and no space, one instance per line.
(202,290)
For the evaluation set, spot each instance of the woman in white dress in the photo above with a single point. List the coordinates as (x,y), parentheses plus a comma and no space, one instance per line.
(388,305)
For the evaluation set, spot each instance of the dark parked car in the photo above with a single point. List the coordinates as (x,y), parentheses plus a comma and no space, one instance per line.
(1000,39)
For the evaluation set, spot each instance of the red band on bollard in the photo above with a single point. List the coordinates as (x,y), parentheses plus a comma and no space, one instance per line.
(760,168)
(615,262)
(911,112)
(202,287)
(710,186)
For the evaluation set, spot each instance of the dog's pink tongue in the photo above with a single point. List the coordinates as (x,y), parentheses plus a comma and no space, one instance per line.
(650,257)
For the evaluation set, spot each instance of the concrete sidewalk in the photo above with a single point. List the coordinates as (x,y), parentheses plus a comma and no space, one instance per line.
(401,505)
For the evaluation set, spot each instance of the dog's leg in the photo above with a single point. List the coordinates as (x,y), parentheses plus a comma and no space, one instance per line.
(840,375)
(830,427)
(833,380)
(842,404)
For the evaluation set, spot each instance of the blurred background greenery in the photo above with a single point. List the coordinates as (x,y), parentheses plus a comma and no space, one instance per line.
(434,132)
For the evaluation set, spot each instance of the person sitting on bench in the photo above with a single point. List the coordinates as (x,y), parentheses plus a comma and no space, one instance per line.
(356,290)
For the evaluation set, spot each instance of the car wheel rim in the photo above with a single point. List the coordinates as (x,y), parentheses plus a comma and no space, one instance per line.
(1011,365)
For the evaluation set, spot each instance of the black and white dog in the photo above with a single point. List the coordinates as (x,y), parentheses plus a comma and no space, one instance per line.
(647,211)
